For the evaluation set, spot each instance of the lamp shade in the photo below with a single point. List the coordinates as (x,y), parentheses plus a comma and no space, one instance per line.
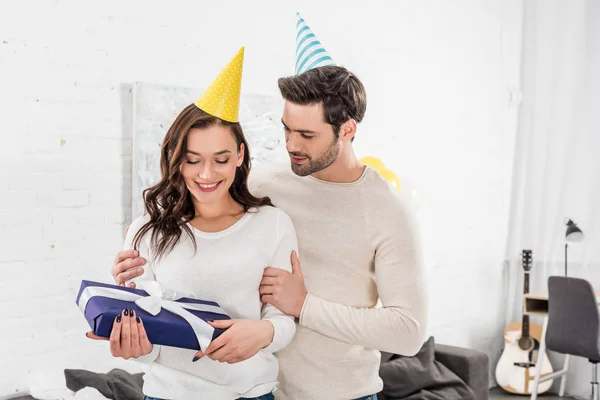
(573,234)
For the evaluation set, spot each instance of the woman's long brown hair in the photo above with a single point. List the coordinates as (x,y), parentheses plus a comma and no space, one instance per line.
(169,202)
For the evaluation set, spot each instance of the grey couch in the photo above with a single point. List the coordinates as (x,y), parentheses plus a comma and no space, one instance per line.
(472,366)
(436,372)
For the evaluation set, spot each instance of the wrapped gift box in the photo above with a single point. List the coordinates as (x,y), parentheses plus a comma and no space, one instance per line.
(159,310)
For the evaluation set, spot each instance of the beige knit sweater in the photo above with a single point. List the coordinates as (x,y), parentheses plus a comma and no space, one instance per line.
(357,243)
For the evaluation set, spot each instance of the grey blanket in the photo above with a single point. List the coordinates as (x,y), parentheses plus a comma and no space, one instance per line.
(405,378)
(116,385)
(420,378)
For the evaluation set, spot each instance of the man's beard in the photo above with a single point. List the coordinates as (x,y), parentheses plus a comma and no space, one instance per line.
(312,166)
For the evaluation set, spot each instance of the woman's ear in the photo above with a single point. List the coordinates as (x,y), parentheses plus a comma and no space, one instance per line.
(241,153)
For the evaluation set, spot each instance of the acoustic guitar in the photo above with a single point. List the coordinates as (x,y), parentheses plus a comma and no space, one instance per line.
(515,371)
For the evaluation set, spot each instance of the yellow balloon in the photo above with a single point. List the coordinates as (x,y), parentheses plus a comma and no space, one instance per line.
(391,178)
(374,163)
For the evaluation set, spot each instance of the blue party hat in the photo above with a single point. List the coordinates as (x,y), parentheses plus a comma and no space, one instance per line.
(310,53)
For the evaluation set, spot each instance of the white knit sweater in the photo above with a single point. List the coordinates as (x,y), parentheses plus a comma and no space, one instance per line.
(227,268)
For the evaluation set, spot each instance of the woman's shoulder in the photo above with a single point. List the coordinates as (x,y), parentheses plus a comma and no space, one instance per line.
(138,223)
(271,215)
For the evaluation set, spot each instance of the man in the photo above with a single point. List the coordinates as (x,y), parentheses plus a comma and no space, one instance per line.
(357,242)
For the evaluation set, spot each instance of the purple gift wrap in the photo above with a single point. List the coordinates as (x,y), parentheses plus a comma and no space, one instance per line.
(169,320)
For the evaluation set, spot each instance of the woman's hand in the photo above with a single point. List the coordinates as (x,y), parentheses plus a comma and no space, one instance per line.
(242,340)
(128,337)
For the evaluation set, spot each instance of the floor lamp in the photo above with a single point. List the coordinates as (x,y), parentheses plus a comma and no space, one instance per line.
(572,235)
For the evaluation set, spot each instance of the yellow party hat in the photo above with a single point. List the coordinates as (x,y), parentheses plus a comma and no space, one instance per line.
(222,98)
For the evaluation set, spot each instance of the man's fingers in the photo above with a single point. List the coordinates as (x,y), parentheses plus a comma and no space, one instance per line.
(131,263)
(274,272)
(131,285)
(296,270)
(263,290)
(268,298)
(128,269)
(92,336)
(125,254)
(268,285)
(268,281)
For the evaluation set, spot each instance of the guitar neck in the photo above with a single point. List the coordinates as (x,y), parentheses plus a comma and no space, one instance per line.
(525,323)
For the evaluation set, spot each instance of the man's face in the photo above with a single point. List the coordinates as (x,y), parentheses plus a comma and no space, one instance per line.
(310,141)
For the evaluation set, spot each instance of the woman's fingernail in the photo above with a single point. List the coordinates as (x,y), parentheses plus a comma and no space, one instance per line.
(86,335)
(126,312)
(131,312)
(195,359)
(119,318)
(138,319)
(210,320)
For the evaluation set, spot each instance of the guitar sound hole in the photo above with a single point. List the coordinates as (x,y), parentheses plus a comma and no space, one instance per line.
(526,343)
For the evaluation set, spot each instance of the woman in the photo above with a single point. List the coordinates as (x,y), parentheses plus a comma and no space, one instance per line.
(205,235)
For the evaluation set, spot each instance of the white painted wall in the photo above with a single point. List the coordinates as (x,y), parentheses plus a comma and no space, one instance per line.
(438,76)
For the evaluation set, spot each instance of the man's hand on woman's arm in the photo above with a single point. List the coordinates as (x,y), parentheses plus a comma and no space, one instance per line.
(127,265)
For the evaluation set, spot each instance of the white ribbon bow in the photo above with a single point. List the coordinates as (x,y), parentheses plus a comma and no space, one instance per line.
(158,299)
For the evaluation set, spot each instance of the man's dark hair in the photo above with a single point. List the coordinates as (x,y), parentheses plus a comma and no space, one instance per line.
(342,94)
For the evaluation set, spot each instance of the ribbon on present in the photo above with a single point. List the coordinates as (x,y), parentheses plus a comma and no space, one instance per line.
(159,298)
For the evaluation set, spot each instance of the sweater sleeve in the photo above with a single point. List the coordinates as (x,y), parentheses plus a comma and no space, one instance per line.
(400,325)
(283,324)
(148,275)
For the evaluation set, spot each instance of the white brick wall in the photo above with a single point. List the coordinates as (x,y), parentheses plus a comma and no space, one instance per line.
(437,75)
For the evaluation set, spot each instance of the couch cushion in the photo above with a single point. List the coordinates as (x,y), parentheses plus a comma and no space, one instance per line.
(421,378)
